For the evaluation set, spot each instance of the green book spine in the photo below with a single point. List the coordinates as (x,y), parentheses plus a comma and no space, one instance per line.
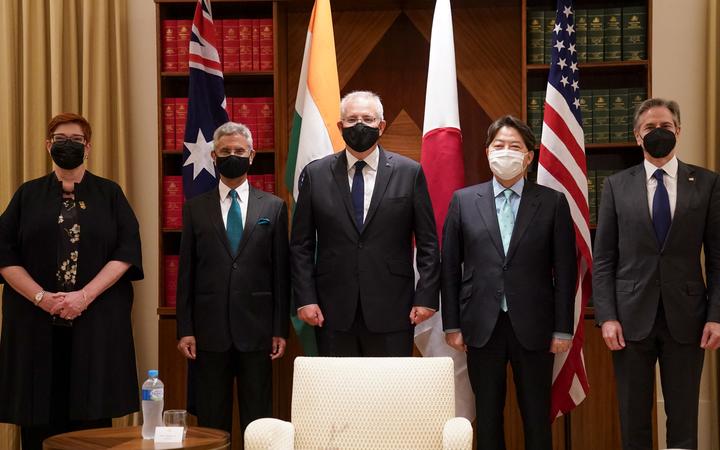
(535,36)
(592,196)
(535,112)
(634,30)
(635,97)
(601,116)
(619,115)
(549,35)
(581,28)
(613,34)
(595,35)
(586,102)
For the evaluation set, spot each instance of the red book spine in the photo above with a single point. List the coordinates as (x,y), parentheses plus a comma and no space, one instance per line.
(245,114)
(256,181)
(169,53)
(172,201)
(231,45)
(181,105)
(168,123)
(246,44)
(184,27)
(269,181)
(255,45)
(238,110)
(171,276)
(266,45)
(265,123)
(219,40)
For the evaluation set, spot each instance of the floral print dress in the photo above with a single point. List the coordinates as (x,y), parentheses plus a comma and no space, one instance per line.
(69,243)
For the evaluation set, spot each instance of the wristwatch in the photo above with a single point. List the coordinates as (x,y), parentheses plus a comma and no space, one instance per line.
(39,297)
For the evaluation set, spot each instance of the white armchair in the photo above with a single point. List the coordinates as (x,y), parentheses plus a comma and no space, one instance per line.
(367,403)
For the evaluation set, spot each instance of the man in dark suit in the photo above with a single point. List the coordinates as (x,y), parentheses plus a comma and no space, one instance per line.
(352,242)
(508,282)
(648,289)
(233,287)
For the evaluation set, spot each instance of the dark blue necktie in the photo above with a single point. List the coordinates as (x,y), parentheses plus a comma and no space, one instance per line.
(234,223)
(358,194)
(661,209)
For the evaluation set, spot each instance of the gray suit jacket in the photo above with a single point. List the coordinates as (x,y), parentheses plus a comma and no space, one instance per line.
(631,272)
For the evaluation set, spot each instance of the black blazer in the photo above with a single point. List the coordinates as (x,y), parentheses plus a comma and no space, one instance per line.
(224,300)
(537,276)
(334,264)
(631,272)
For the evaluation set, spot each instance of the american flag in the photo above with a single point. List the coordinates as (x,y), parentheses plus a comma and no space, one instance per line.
(206,104)
(562,167)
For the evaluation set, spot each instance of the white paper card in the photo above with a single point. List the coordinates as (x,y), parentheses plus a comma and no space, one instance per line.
(169,434)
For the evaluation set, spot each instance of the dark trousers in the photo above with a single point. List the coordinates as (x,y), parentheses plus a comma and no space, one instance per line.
(359,341)
(32,436)
(215,373)
(680,369)
(532,373)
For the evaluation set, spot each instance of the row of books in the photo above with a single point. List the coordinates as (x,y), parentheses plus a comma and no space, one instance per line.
(173,197)
(243,45)
(607,114)
(609,34)
(254,112)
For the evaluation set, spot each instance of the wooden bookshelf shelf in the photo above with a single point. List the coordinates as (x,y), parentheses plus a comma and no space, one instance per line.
(644,64)
(225,74)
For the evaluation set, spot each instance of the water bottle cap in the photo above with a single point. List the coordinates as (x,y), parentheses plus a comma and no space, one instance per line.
(153,373)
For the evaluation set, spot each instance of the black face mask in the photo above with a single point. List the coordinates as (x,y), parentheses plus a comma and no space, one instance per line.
(360,137)
(659,142)
(68,155)
(232,166)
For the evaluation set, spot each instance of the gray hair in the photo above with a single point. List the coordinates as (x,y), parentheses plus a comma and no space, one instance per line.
(367,95)
(671,105)
(230,128)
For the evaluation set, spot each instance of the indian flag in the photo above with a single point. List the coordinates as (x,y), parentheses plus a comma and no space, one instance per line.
(317,111)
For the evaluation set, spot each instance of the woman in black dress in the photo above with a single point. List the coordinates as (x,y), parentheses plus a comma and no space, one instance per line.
(69,249)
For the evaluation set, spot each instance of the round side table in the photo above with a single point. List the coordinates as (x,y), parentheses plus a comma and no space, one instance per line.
(130,438)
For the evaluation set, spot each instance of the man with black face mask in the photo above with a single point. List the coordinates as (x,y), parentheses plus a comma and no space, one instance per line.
(233,287)
(357,214)
(650,296)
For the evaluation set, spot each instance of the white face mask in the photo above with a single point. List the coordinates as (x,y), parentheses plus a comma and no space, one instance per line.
(506,164)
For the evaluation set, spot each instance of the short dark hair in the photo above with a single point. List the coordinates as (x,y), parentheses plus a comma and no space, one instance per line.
(511,122)
(671,105)
(63,118)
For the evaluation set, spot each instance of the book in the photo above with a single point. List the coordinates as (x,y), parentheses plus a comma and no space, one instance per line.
(168,123)
(535,112)
(586,102)
(172,201)
(265,123)
(231,45)
(266,45)
(171,263)
(601,116)
(635,97)
(600,176)
(595,35)
(613,34)
(535,36)
(255,45)
(257,181)
(181,105)
(219,38)
(269,183)
(184,28)
(592,196)
(581,28)
(169,51)
(246,45)
(619,115)
(549,39)
(245,112)
(634,31)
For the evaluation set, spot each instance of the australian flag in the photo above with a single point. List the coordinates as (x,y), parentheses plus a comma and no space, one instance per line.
(206,104)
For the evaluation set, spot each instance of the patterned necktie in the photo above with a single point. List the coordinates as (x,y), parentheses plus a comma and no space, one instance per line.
(506,220)
(234,223)
(358,194)
(661,209)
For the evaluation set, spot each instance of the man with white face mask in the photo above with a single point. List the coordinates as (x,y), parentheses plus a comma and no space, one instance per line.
(508,282)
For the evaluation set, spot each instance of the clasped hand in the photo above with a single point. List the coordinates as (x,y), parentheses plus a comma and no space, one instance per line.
(67,305)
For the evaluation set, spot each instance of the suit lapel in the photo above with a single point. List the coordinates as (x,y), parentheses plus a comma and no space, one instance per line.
(384,172)
(340,174)
(485,202)
(253,214)
(685,193)
(212,206)
(529,203)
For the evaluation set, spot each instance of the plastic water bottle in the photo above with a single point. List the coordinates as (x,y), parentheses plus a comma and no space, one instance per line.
(153,392)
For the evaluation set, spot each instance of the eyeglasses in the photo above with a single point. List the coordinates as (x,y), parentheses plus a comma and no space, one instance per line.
(62,139)
(223,152)
(367,120)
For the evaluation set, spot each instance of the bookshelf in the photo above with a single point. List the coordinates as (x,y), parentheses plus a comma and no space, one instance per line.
(263,84)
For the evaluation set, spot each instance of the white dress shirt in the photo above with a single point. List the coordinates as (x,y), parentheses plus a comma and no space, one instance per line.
(369,174)
(226,201)
(669,179)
